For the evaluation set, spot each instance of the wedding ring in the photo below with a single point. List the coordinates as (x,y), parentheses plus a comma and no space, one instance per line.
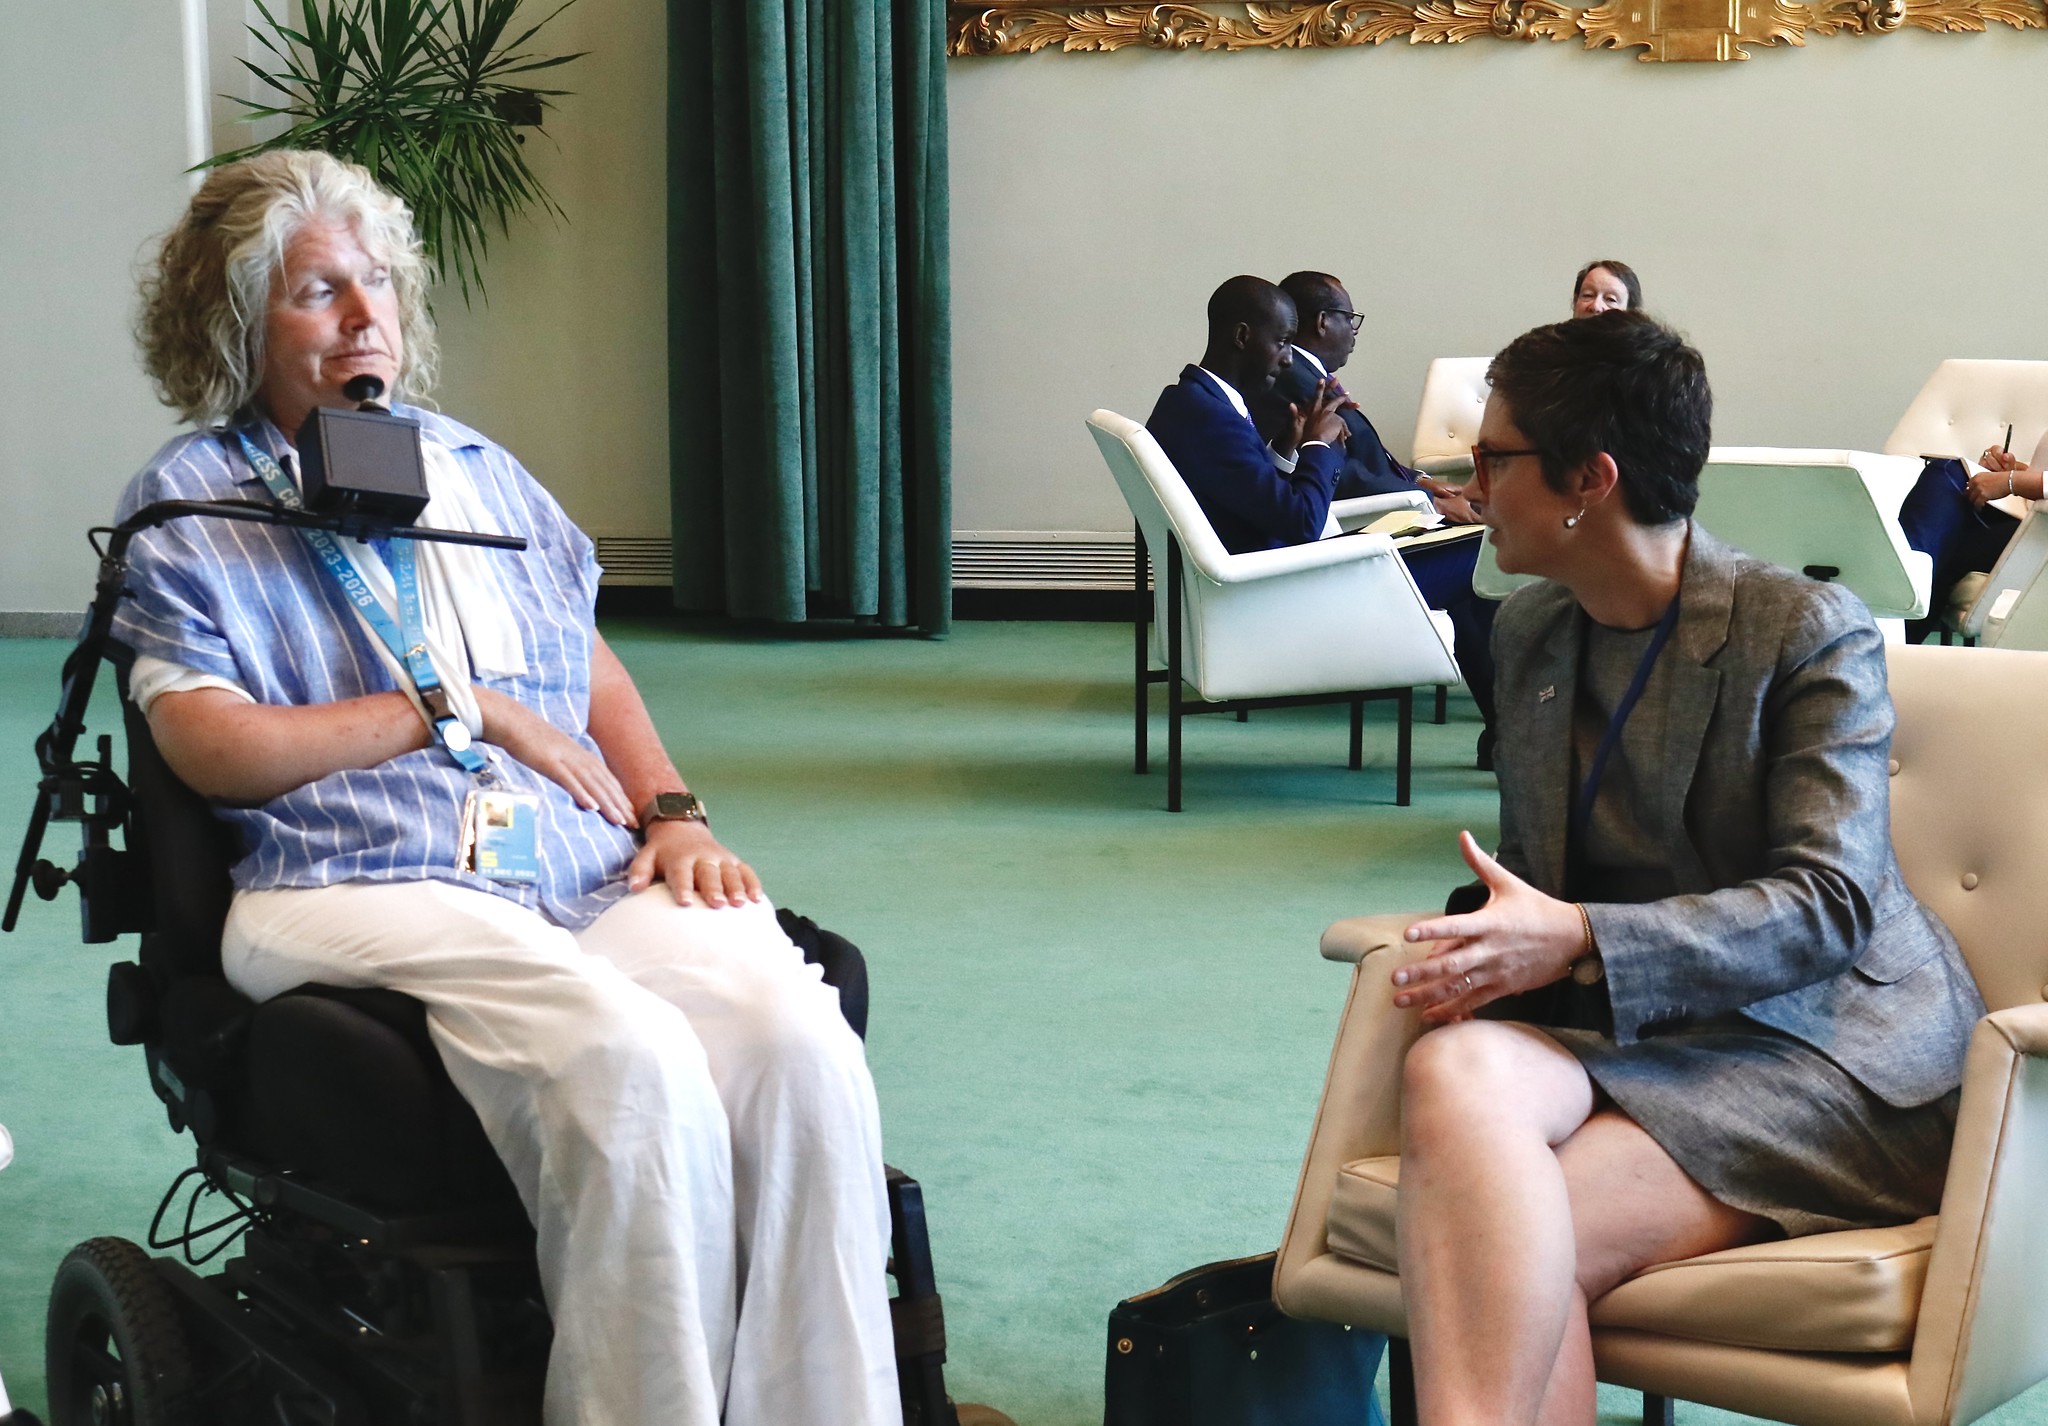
(1465,984)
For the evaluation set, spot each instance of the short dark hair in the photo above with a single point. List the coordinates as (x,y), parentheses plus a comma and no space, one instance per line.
(1620,382)
(1244,299)
(1623,273)
(1311,292)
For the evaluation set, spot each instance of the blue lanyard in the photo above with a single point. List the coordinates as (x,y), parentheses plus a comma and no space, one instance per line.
(1582,813)
(407,639)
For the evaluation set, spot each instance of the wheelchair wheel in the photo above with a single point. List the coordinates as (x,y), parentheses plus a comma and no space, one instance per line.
(116,1351)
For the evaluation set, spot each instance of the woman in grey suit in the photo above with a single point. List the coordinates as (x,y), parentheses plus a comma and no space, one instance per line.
(1698,1006)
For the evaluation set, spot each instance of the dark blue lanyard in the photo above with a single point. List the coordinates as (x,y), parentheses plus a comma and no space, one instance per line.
(407,639)
(1582,812)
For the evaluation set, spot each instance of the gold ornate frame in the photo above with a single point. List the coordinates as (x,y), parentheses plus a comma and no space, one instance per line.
(1666,29)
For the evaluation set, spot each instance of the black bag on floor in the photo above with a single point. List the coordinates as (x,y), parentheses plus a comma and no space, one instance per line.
(1209,1348)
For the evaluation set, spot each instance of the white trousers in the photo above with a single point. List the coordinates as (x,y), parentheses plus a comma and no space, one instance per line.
(688,1119)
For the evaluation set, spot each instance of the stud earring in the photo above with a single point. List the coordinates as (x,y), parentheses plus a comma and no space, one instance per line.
(1571,522)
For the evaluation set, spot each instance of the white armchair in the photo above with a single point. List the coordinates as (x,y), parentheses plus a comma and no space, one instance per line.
(2008,608)
(1454,395)
(1337,620)
(1968,404)
(1832,514)
(1820,511)
(1924,1324)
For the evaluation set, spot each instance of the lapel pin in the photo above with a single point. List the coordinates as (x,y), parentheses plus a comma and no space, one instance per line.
(1546,693)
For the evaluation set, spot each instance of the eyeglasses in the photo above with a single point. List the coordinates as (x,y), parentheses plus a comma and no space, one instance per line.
(1484,460)
(1356,319)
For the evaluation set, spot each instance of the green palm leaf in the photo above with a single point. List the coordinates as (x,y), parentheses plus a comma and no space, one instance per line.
(416,91)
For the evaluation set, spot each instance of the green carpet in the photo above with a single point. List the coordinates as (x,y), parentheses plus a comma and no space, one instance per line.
(1099,1030)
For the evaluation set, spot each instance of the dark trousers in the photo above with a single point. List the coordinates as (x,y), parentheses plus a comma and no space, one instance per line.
(1939,521)
(1444,575)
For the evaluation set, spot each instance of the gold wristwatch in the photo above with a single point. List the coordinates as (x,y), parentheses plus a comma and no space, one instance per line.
(674,807)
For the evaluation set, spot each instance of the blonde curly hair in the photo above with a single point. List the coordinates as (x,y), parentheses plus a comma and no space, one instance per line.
(205,296)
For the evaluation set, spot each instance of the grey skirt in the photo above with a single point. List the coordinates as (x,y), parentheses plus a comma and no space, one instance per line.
(1771,1126)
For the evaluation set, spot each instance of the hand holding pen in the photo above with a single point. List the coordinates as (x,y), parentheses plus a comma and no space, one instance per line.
(1999,461)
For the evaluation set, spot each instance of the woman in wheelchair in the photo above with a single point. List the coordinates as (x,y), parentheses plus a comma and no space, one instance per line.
(685,1113)
(1691,1003)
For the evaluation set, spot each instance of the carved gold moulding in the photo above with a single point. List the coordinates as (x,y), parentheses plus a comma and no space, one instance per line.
(1664,29)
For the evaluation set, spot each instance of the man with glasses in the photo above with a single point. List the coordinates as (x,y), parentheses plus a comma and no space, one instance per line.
(1326,332)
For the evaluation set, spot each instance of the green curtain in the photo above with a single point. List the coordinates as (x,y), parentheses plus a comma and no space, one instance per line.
(810,383)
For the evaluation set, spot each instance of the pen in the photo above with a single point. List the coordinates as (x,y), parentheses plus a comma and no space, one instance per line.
(2007,447)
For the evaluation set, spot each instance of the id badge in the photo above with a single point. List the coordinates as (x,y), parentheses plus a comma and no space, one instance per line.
(499,838)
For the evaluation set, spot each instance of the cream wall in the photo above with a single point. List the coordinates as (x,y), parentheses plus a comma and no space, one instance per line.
(568,363)
(1818,220)
(92,141)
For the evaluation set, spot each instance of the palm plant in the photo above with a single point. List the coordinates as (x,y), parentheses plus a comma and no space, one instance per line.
(426,95)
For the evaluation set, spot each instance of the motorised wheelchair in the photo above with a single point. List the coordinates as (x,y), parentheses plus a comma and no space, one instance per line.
(385,1273)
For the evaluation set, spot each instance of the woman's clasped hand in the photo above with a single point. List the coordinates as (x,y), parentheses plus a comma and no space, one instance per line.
(1520,940)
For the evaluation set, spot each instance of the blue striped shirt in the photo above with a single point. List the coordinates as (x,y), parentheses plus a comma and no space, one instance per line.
(249,603)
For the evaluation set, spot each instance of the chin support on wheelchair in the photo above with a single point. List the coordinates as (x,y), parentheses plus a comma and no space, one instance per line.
(349,1249)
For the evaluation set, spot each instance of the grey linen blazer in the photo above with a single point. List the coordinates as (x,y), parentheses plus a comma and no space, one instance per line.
(1774,816)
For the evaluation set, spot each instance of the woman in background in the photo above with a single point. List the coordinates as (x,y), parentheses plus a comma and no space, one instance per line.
(1606,285)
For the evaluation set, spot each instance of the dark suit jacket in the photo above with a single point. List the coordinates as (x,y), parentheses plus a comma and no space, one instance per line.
(1369,467)
(1251,504)
(1774,818)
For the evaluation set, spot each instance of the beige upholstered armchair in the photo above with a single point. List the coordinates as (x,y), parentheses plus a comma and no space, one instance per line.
(1924,1324)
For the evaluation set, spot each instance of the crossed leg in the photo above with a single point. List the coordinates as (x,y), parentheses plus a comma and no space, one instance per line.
(1522,1200)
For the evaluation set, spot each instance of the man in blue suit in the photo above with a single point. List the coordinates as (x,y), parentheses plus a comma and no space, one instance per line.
(1257,495)
(1262,494)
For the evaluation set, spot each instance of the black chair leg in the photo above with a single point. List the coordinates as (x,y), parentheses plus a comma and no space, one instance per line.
(1443,704)
(1404,747)
(1400,1383)
(1357,734)
(1173,703)
(1141,614)
(1659,1410)
(915,1312)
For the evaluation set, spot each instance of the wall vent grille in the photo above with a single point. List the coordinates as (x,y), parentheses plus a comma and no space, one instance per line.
(636,559)
(982,559)
(1041,559)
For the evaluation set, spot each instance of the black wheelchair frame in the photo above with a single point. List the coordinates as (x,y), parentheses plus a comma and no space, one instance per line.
(386,1274)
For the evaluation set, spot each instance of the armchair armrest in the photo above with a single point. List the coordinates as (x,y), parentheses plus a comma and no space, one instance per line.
(1293,559)
(1977,1342)
(1356,937)
(1360,1113)
(1365,509)
(1453,468)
